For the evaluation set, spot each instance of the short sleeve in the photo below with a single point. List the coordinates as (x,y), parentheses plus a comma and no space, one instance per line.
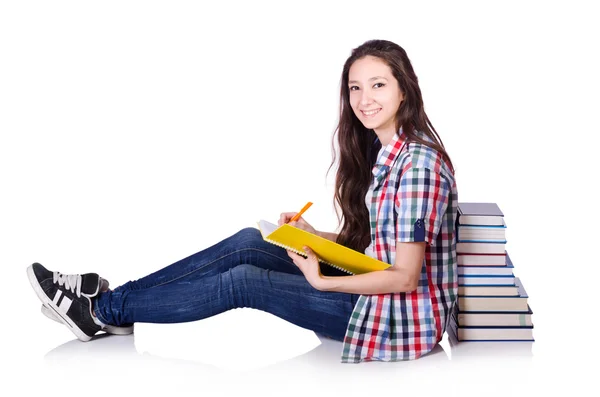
(421,202)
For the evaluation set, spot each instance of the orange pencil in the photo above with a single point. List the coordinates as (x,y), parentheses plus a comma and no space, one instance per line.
(299,214)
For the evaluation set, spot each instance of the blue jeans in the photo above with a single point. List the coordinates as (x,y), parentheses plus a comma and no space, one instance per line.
(241,271)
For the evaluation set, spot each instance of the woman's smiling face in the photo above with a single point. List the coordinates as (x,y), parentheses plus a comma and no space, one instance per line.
(375,95)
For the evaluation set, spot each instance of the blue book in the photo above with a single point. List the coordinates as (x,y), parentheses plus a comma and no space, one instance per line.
(489,334)
(492,279)
(492,326)
(487,349)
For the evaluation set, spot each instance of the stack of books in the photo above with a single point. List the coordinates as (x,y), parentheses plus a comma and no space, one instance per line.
(492,302)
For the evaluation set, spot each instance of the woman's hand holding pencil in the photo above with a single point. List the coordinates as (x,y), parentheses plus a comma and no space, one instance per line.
(295,219)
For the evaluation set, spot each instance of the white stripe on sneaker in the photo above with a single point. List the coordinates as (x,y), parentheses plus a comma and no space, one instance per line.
(65,304)
(57,297)
(35,284)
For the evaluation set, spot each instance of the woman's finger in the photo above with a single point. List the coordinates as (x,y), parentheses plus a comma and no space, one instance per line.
(285,217)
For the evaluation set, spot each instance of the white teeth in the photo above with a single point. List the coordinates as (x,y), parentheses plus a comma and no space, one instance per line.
(371,112)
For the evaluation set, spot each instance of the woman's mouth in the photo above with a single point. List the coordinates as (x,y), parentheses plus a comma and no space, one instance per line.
(370,113)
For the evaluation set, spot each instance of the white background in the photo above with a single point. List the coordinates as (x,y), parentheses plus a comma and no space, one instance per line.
(134,134)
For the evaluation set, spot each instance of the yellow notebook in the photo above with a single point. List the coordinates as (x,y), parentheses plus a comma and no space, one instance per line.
(328,252)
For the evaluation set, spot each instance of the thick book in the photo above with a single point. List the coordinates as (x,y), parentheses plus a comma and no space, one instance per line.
(489,350)
(480,209)
(493,261)
(480,248)
(500,319)
(480,214)
(495,303)
(505,270)
(481,259)
(473,239)
(488,290)
(521,333)
(477,279)
(480,220)
(328,252)
(477,233)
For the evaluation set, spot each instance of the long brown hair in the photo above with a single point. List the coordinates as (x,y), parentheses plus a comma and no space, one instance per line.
(359,147)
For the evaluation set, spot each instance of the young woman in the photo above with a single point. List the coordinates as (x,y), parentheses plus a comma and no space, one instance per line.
(396,190)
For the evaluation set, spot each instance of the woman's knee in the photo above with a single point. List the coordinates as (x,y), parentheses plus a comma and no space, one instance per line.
(244,272)
(247,236)
(246,280)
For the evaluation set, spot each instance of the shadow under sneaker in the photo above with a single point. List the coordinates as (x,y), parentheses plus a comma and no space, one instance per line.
(110,329)
(68,296)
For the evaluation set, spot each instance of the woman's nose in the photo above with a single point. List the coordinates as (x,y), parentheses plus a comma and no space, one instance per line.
(366,98)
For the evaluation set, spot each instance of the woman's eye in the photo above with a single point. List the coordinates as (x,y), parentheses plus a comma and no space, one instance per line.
(382,84)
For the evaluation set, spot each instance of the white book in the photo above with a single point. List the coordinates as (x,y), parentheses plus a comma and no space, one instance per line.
(485,271)
(481,220)
(495,333)
(486,280)
(482,214)
(488,290)
(481,232)
(474,260)
(480,248)
(495,303)
(495,319)
(488,350)
(481,236)
(492,303)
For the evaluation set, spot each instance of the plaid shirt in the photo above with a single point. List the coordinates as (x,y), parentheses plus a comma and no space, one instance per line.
(412,197)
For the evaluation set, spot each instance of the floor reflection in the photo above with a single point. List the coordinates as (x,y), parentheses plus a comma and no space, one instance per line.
(460,365)
(121,351)
(476,351)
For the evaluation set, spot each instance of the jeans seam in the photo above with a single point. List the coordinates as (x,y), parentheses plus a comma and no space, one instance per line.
(216,297)
(277,289)
(209,263)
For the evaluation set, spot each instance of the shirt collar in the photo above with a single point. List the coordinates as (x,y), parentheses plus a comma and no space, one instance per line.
(388,154)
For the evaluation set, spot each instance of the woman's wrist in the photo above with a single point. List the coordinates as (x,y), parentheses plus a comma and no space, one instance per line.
(327,235)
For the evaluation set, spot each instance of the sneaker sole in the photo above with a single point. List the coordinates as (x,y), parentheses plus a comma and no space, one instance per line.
(53,308)
(110,329)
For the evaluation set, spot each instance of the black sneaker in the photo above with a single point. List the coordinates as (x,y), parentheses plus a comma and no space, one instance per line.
(124,329)
(69,297)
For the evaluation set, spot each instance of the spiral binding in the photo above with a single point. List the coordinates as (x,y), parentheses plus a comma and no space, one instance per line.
(304,254)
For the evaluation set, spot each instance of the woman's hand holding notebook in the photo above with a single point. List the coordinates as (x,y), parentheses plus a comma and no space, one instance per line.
(329,252)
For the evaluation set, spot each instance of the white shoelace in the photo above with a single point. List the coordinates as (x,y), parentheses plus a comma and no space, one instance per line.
(71,282)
